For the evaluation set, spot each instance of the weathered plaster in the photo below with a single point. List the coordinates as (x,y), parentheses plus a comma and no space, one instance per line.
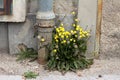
(18,12)
(63,6)
(110,30)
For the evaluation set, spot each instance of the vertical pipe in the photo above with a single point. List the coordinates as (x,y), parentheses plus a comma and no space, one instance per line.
(45,10)
(45,20)
(45,5)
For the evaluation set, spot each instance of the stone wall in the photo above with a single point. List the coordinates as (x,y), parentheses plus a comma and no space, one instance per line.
(110,33)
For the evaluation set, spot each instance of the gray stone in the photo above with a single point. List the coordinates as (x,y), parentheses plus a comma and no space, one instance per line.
(22,33)
(42,55)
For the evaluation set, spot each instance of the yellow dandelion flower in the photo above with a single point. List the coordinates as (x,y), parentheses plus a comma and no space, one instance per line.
(57,29)
(74,40)
(73,25)
(75,32)
(72,31)
(73,13)
(61,24)
(83,35)
(76,35)
(62,29)
(62,36)
(80,36)
(87,34)
(64,41)
(67,36)
(77,28)
(56,40)
(76,20)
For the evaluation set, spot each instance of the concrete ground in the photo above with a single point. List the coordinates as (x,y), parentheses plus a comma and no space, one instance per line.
(108,69)
(66,77)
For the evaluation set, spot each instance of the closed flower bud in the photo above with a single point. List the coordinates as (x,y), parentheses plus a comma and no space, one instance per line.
(75,46)
(74,40)
(68,42)
(38,37)
(54,50)
(56,46)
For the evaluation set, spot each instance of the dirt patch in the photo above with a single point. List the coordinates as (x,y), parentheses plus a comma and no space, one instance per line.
(9,65)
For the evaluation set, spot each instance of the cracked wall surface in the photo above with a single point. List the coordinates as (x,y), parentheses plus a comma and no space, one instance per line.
(110,29)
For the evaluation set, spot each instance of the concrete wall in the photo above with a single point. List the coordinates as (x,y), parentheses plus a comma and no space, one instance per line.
(87,14)
(22,33)
(3,37)
(110,33)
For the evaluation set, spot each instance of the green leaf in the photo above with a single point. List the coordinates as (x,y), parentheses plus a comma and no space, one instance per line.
(30,75)
(67,66)
(75,64)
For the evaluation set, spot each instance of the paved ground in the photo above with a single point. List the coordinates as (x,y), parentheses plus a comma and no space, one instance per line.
(5,77)
(100,70)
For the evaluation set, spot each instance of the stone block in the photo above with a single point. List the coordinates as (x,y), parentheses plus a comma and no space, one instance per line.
(42,55)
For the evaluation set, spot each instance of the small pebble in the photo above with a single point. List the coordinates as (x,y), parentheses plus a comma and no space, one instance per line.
(99,76)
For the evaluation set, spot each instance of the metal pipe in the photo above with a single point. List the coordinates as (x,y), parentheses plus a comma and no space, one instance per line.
(45,22)
(45,10)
